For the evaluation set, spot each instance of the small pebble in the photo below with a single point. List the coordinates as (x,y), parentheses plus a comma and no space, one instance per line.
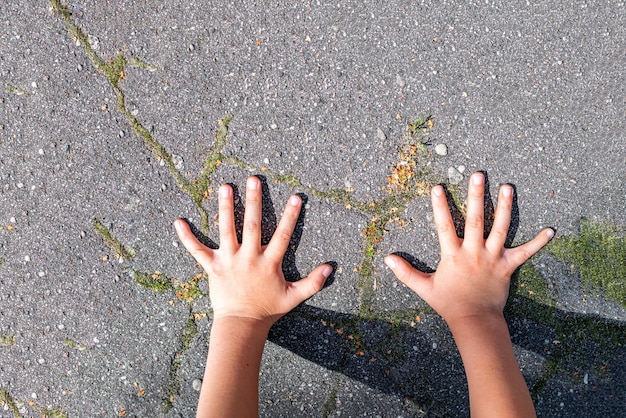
(41,361)
(196,384)
(434,346)
(41,274)
(273,126)
(94,42)
(441,149)
(20,185)
(400,81)
(26,258)
(454,176)
(175,244)
(178,161)
(40,151)
(380,134)
(61,326)
(266,161)
(33,85)
(461,169)
(12,220)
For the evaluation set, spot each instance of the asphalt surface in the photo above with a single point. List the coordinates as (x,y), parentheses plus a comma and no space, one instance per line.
(321,95)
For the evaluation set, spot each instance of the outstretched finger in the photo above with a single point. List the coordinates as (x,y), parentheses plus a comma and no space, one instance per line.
(475,218)
(443,220)
(199,251)
(228,235)
(280,240)
(251,239)
(518,255)
(307,287)
(416,280)
(500,229)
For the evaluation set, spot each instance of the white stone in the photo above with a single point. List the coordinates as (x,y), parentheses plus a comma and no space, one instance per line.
(441,149)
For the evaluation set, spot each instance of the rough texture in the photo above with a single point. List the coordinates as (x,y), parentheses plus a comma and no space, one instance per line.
(119,112)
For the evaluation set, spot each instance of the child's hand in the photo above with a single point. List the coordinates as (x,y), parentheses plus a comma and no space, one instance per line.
(473,275)
(246,280)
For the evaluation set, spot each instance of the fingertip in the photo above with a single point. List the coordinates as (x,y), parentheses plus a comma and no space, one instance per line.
(390,261)
(550,233)
(507,190)
(437,191)
(295,200)
(179,224)
(225,191)
(478,178)
(327,270)
(253,183)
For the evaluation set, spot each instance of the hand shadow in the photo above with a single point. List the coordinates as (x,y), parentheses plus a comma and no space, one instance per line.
(401,359)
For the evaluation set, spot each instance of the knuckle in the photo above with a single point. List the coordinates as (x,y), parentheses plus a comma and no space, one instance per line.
(283,235)
(500,233)
(444,227)
(474,221)
(252,225)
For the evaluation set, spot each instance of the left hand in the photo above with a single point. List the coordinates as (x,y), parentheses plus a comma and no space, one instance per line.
(246,280)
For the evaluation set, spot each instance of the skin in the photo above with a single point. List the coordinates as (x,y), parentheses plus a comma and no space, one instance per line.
(469,290)
(249,293)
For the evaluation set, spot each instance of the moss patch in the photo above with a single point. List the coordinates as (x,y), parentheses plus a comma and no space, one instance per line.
(599,254)
(188,333)
(7,340)
(156,281)
(111,241)
(7,401)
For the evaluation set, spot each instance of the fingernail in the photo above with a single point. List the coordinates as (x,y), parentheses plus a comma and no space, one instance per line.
(177,224)
(438,190)
(294,200)
(390,261)
(550,233)
(326,271)
(477,179)
(253,183)
(225,191)
(507,191)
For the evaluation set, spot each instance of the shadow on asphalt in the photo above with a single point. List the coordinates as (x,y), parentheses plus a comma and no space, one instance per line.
(400,359)
(395,358)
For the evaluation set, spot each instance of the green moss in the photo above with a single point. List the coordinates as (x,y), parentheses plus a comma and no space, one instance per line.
(188,333)
(119,249)
(73,344)
(156,281)
(7,401)
(331,402)
(16,90)
(136,62)
(599,254)
(528,283)
(7,340)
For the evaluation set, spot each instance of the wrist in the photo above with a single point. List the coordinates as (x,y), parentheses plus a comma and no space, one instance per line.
(476,322)
(242,325)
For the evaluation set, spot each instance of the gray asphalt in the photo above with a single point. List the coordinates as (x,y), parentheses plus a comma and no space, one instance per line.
(530,92)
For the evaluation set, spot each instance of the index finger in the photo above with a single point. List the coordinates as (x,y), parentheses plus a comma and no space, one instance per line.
(282,236)
(443,219)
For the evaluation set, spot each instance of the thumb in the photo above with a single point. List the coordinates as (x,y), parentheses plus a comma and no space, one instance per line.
(416,280)
(198,250)
(310,285)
